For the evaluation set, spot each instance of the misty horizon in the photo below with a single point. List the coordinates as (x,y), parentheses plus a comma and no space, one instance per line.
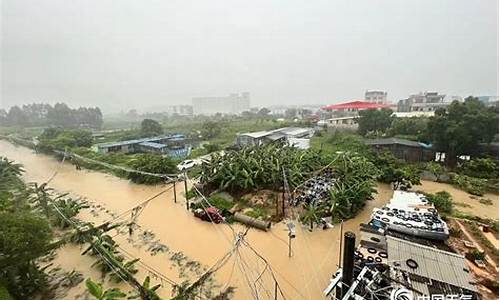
(140,55)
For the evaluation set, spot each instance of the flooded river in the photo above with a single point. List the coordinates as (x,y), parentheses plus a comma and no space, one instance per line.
(303,276)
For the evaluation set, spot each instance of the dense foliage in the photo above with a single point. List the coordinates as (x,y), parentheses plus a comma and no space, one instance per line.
(60,139)
(472,185)
(372,120)
(41,114)
(480,168)
(411,128)
(354,183)
(395,171)
(24,236)
(442,201)
(460,128)
(150,127)
(259,167)
(153,164)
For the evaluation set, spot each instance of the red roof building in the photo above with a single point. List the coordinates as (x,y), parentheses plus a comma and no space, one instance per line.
(355,106)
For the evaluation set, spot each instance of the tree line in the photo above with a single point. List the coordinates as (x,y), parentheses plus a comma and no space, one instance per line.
(459,129)
(43,114)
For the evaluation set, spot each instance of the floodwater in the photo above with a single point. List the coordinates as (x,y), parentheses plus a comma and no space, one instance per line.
(315,254)
(464,201)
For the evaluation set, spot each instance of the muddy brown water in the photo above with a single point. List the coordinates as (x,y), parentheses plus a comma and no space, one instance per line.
(303,276)
(464,201)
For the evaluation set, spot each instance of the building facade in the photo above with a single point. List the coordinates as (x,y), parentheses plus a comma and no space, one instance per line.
(423,101)
(374,96)
(294,136)
(232,104)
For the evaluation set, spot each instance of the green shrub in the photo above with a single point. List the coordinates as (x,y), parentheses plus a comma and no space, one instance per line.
(257,213)
(442,201)
(472,185)
(480,168)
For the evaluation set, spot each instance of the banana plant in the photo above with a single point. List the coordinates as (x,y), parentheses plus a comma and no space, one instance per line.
(98,292)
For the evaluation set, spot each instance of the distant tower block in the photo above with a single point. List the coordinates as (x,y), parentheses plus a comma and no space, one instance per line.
(375,96)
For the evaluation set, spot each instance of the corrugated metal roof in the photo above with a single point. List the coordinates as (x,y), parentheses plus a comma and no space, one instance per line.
(138,141)
(153,145)
(432,263)
(390,141)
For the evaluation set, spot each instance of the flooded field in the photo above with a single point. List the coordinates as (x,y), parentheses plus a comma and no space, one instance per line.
(189,240)
(464,201)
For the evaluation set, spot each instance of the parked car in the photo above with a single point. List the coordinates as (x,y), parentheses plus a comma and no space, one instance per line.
(187,164)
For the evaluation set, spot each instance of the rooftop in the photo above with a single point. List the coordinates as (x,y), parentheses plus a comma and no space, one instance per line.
(138,141)
(439,265)
(390,141)
(356,105)
(153,145)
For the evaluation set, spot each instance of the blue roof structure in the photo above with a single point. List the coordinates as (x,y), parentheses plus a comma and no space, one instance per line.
(138,141)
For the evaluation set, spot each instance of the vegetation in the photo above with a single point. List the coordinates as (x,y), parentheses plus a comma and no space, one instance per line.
(259,167)
(460,128)
(60,139)
(442,201)
(41,114)
(354,183)
(372,120)
(472,185)
(153,164)
(408,128)
(436,169)
(480,168)
(98,292)
(395,171)
(150,127)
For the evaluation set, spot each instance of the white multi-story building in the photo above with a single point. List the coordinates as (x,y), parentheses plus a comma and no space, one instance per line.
(374,96)
(233,104)
(427,101)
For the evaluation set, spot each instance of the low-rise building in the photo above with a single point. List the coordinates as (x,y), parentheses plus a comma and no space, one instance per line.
(403,149)
(295,136)
(171,145)
(342,123)
(354,106)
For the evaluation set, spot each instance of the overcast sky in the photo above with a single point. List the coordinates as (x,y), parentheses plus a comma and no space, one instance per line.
(143,53)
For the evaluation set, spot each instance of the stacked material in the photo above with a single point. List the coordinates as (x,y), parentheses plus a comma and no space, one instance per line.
(314,190)
(411,213)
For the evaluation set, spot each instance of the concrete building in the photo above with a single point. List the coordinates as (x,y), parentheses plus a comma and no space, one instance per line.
(294,136)
(232,105)
(342,123)
(374,96)
(181,110)
(426,101)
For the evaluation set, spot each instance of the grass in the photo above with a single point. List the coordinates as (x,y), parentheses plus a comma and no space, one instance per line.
(257,213)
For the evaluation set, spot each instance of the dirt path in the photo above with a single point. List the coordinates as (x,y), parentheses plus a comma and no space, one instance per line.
(476,244)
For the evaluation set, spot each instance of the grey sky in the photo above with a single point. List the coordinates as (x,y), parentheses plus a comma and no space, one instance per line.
(125,54)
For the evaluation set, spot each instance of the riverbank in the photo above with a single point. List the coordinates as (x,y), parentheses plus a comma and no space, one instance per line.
(303,276)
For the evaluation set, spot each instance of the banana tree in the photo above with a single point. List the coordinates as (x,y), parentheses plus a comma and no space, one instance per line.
(98,292)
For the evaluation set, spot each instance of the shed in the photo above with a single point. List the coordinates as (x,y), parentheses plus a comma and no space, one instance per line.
(403,149)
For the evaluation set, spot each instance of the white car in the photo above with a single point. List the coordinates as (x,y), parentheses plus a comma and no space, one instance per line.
(187,164)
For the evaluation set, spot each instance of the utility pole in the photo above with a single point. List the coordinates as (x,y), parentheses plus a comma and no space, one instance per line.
(175,193)
(186,190)
(275,290)
(291,235)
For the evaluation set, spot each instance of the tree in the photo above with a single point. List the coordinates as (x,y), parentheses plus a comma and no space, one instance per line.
(372,120)
(481,168)
(436,169)
(150,127)
(24,238)
(153,164)
(264,112)
(460,128)
(413,128)
(395,171)
(211,129)
(442,201)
